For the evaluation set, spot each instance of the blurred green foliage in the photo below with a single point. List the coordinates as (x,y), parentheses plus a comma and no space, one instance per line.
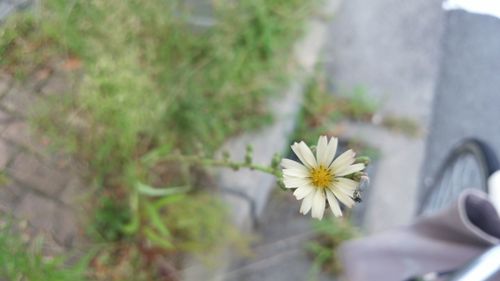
(147,83)
(110,218)
(122,262)
(401,124)
(150,78)
(20,261)
(323,109)
(330,234)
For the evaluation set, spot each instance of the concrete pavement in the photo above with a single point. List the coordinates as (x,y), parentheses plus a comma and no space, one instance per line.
(390,48)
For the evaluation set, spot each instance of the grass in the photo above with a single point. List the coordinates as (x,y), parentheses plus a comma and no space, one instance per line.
(20,261)
(148,85)
(358,105)
(362,148)
(403,125)
(322,109)
(149,80)
(123,262)
(329,235)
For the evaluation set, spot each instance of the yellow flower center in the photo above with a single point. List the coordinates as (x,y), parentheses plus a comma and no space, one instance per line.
(321,177)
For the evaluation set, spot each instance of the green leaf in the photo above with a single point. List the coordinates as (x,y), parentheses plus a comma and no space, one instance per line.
(155,155)
(157,192)
(156,239)
(168,200)
(133,226)
(156,220)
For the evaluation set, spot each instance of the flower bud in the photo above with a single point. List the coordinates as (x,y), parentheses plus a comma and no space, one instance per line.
(225,155)
(249,155)
(275,162)
(358,176)
(281,185)
(362,159)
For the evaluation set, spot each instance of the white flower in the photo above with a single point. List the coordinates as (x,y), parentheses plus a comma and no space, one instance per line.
(321,179)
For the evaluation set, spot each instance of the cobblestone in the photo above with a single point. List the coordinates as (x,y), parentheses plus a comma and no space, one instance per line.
(56,85)
(20,101)
(18,132)
(29,170)
(42,186)
(10,194)
(4,154)
(73,193)
(66,229)
(4,119)
(5,83)
(4,122)
(39,211)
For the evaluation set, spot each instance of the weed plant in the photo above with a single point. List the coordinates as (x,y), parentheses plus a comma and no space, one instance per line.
(21,261)
(322,109)
(330,234)
(150,84)
(149,79)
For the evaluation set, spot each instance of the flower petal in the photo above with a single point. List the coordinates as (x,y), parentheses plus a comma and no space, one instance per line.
(347,183)
(303,191)
(350,169)
(307,204)
(345,159)
(346,200)
(344,190)
(318,207)
(321,150)
(304,154)
(290,164)
(299,173)
(332,149)
(294,182)
(334,204)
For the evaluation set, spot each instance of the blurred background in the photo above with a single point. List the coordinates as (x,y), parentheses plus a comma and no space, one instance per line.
(113,114)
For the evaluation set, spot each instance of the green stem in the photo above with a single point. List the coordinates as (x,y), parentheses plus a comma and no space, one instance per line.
(223,163)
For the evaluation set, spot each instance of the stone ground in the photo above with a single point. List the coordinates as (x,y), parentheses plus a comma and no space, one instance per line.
(39,185)
(280,251)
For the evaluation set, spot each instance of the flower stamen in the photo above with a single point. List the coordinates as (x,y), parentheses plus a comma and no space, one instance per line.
(321,177)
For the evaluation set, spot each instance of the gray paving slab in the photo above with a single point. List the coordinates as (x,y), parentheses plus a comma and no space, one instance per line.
(10,196)
(20,100)
(394,188)
(5,83)
(5,9)
(31,171)
(67,229)
(4,154)
(42,186)
(280,253)
(5,118)
(39,211)
(390,48)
